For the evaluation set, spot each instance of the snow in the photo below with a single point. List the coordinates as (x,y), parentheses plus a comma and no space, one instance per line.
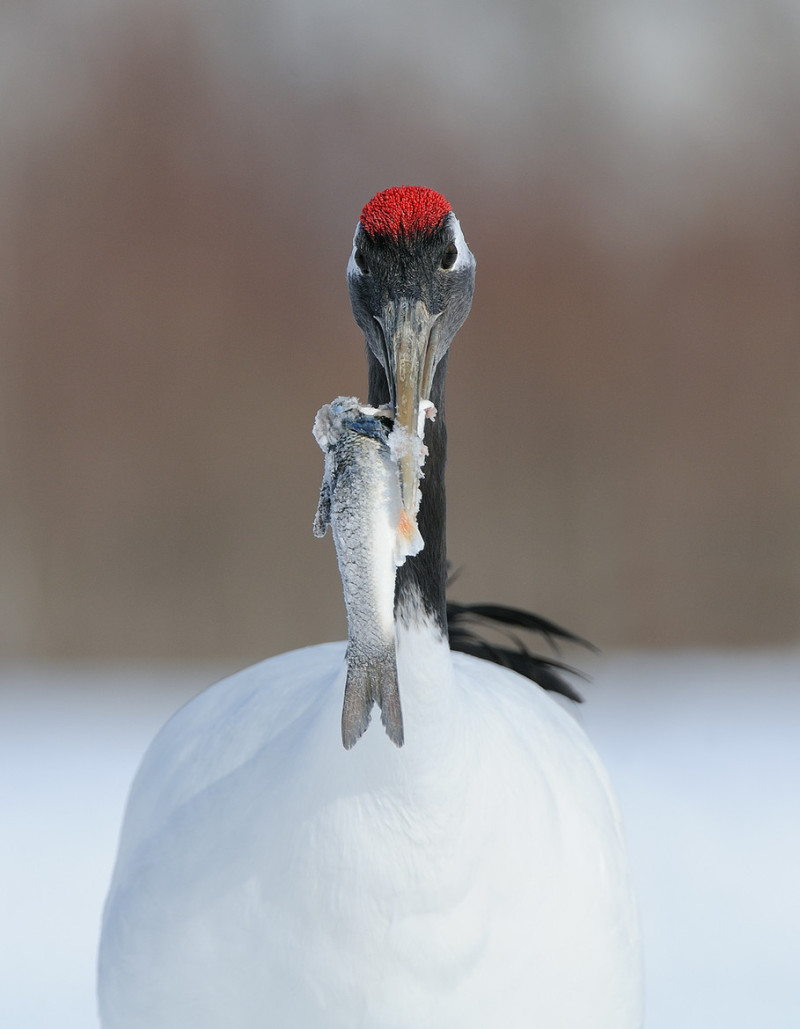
(702,749)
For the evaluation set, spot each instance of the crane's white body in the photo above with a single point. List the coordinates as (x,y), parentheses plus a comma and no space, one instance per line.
(475,878)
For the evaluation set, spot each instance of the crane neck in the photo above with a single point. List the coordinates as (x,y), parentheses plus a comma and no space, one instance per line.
(421,584)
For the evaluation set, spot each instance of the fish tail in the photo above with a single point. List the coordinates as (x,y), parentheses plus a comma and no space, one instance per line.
(371,683)
(388,697)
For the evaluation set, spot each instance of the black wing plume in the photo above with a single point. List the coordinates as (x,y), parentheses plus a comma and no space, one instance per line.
(464,622)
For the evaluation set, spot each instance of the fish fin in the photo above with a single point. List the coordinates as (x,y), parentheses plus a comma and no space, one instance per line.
(408,539)
(322,519)
(388,697)
(358,701)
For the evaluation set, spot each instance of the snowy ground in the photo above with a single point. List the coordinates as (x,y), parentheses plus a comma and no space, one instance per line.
(704,750)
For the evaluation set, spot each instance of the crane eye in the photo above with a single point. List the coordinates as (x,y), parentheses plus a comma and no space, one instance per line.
(449,256)
(361,261)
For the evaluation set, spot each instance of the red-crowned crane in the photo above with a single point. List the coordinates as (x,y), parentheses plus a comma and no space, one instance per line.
(474,877)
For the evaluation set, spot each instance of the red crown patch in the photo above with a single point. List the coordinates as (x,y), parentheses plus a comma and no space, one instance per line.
(404,211)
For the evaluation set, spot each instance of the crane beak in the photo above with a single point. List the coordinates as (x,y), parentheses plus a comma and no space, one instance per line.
(410,361)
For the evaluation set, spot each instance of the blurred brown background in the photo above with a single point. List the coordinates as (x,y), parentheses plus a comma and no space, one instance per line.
(180,183)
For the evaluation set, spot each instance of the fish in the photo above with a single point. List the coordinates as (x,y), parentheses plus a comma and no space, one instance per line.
(360,499)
